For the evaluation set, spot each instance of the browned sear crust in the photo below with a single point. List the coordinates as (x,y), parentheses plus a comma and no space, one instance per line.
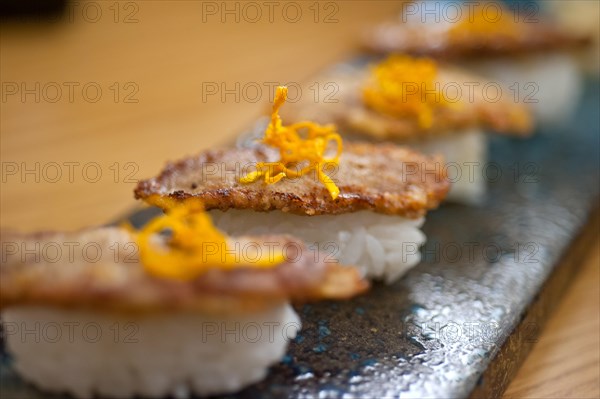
(100,269)
(384,178)
(423,39)
(472,111)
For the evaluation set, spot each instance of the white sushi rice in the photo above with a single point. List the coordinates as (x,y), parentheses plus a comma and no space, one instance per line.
(465,155)
(382,247)
(89,353)
(551,84)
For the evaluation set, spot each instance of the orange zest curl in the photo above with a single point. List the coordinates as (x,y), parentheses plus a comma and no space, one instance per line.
(402,86)
(485,21)
(194,246)
(298,156)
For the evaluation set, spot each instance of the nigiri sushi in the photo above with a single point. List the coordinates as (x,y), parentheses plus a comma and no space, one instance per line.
(524,50)
(361,203)
(172,310)
(433,107)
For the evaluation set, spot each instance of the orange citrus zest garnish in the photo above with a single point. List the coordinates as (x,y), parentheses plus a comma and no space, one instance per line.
(402,86)
(194,246)
(484,21)
(298,156)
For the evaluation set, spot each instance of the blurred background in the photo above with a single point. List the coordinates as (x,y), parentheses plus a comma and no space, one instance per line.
(136,73)
(99,94)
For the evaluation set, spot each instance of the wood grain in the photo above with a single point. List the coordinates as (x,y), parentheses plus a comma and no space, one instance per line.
(168,54)
(565,362)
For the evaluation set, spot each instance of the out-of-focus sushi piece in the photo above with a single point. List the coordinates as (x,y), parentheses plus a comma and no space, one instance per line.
(361,203)
(172,310)
(581,17)
(523,49)
(433,107)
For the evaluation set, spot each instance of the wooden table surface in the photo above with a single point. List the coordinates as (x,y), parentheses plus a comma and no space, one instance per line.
(104,97)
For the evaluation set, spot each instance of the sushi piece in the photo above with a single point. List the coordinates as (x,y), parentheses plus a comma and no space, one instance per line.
(533,56)
(433,107)
(580,17)
(172,310)
(361,203)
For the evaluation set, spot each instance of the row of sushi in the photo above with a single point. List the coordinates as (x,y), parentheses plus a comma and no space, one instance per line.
(197,265)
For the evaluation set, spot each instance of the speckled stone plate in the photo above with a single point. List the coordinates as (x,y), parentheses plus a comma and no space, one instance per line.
(461,322)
